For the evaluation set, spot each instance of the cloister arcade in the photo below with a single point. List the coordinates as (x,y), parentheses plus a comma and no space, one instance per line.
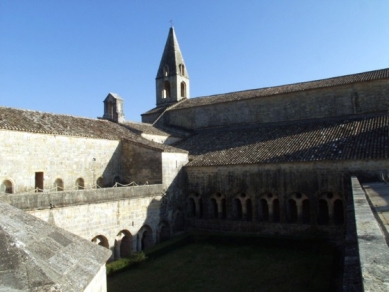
(125,243)
(295,208)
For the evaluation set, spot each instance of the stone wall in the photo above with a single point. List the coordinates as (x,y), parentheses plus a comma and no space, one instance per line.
(99,282)
(58,157)
(141,164)
(358,98)
(171,167)
(273,199)
(106,214)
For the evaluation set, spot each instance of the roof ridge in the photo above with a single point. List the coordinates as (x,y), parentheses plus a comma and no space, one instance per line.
(304,82)
(50,113)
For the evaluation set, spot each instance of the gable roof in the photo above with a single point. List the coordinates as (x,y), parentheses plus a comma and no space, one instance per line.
(318,140)
(56,124)
(113,95)
(37,256)
(283,89)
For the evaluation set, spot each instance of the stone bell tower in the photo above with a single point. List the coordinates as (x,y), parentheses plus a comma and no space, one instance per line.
(172,81)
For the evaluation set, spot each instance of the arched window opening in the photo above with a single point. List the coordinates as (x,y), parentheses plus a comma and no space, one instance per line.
(306,216)
(179,222)
(201,208)
(165,70)
(7,187)
(292,211)
(100,240)
(164,232)
(338,212)
(182,69)
(224,208)
(123,244)
(237,209)
(99,182)
(80,183)
(58,185)
(323,217)
(249,210)
(183,89)
(276,210)
(146,237)
(263,210)
(214,209)
(166,90)
(191,208)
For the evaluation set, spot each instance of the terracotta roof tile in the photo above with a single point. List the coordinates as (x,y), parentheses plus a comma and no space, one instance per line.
(346,139)
(47,123)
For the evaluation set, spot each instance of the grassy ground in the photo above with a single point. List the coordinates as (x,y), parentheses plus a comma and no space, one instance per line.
(215,267)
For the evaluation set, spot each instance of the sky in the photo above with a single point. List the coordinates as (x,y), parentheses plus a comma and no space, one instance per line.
(66,56)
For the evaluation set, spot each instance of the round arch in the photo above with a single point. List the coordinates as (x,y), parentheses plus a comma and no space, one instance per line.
(145,236)
(164,231)
(7,187)
(80,184)
(123,244)
(58,185)
(101,240)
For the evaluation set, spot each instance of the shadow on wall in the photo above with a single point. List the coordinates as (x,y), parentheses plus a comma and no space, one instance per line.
(164,218)
(131,163)
(112,172)
(274,201)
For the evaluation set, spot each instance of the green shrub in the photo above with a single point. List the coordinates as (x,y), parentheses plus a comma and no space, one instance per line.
(136,258)
(125,263)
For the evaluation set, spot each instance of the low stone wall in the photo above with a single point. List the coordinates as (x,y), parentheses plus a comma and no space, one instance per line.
(39,201)
(106,214)
(373,250)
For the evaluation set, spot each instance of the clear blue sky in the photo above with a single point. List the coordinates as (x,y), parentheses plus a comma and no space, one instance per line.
(66,56)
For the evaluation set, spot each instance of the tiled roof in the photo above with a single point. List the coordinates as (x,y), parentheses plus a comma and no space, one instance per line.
(269,91)
(47,123)
(161,130)
(156,110)
(144,128)
(345,139)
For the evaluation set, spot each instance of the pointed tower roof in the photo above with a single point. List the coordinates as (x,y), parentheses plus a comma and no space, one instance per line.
(171,57)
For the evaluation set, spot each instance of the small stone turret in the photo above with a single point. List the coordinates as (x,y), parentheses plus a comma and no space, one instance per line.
(113,108)
(172,81)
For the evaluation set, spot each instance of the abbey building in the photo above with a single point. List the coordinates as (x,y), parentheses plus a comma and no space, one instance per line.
(273,161)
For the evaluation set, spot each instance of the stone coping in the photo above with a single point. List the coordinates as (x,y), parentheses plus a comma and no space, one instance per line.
(373,250)
(79,197)
(37,256)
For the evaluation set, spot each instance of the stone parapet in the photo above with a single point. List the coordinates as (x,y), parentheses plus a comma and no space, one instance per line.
(373,250)
(79,197)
